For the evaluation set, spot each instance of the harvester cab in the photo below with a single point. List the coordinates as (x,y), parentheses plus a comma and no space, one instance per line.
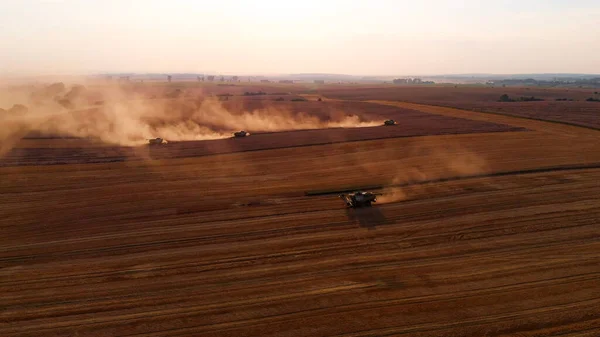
(389,122)
(359,199)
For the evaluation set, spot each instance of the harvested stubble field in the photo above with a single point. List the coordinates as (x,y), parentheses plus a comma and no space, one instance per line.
(230,245)
(578,111)
(433,93)
(413,123)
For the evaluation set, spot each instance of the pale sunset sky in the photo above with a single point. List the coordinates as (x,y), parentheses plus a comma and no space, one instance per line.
(373,37)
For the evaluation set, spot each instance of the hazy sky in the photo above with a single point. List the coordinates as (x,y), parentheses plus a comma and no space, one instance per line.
(379,37)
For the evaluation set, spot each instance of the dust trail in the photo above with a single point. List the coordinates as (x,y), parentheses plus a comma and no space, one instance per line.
(431,162)
(129,115)
(391,194)
(211,112)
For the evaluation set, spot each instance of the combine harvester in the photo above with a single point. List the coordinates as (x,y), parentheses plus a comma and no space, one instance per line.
(359,199)
(389,122)
(157,141)
(240,134)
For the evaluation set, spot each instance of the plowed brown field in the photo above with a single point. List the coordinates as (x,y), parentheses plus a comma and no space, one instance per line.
(230,244)
(434,93)
(578,112)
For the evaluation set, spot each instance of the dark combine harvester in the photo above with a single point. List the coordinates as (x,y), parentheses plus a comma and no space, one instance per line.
(359,199)
(157,141)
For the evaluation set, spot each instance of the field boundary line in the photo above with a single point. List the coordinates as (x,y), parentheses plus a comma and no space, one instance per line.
(572,167)
(505,115)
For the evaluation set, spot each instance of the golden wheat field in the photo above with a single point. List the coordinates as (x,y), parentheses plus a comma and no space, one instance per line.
(485,225)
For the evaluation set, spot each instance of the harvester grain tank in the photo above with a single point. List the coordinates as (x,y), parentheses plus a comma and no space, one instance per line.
(359,199)
(389,122)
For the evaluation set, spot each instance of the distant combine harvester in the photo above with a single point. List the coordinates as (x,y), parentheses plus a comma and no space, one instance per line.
(156,141)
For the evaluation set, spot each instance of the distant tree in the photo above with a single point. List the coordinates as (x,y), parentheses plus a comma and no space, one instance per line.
(169,78)
(530,99)
(505,98)
(251,93)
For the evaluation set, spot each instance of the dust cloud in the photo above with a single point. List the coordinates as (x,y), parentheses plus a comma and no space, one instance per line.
(121,115)
(429,163)
(211,112)
(391,194)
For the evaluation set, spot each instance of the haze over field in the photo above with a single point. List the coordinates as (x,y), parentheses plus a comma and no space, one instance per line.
(377,37)
(299,168)
(115,115)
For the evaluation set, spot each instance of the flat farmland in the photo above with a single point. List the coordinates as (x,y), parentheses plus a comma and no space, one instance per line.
(474,234)
(447,93)
(411,123)
(578,111)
